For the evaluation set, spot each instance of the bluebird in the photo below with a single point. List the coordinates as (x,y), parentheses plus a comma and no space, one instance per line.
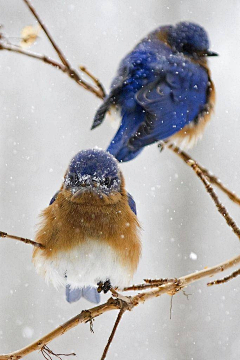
(90,229)
(163,91)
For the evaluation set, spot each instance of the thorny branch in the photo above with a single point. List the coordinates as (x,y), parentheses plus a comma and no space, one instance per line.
(113,304)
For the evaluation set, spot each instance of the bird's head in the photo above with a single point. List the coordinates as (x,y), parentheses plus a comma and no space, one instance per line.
(189,39)
(93,175)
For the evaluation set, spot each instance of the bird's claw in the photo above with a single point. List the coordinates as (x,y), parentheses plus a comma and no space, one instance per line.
(105,287)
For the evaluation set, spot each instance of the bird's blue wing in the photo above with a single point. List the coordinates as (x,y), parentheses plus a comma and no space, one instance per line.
(54,198)
(132,203)
(171,101)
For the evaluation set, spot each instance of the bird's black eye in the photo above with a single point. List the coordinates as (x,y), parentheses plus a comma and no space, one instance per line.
(107,182)
(72,179)
(188,48)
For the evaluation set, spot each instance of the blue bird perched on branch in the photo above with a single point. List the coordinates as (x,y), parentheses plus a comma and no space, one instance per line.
(163,91)
(89,230)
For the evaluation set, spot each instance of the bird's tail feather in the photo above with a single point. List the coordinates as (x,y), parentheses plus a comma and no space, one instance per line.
(100,114)
(119,146)
(89,293)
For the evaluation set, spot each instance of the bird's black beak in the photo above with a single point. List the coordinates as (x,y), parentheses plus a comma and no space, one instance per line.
(210,53)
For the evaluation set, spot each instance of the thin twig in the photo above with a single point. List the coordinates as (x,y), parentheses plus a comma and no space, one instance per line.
(66,67)
(95,80)
(150,284)
(44,58)
(225,279)
(26,241)
(55,46)
(112,304)
(46,352)
(222,210)
(171,306)
(119,317)
(72,73)
(211,178)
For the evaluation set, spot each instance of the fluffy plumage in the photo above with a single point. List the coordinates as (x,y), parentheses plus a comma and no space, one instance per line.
(163,90)
(89,230)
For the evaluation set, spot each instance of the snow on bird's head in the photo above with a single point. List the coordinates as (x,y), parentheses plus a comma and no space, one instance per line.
(93,169)
(94,162)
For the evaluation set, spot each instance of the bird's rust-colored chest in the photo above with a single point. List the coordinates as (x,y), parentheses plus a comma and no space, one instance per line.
(66,225)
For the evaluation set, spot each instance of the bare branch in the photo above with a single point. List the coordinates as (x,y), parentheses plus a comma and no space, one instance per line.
(211,178)
(69,71)
(150,284)
(26,241)
(113,304)
(226,279)
(223,211)
(55,46)
(205,180)
(119,317)
(44,58)
(48,353)
(95,80)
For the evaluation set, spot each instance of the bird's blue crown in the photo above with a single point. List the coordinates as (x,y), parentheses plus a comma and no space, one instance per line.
(93,166)
(188,37)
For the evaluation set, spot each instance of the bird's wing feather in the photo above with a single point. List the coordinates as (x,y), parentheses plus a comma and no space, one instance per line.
(54,198)
(171,101)
(112,98)
(132,203)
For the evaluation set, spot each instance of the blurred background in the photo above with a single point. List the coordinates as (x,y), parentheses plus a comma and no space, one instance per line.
(46,119)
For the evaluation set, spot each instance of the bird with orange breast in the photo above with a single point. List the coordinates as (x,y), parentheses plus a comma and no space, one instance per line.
(89,230)
(163,91)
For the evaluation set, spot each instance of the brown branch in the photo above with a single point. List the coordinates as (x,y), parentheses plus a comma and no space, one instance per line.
(72,73)
(150,284)
(119,317)
(69,71)
(48,353)
(44,58)
(113,304)
(226,279)
(26,241)
(222,210)
(66,67)
(211,178)
(95,80)
(55,46)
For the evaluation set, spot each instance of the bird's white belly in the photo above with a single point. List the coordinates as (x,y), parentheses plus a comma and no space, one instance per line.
(85,264)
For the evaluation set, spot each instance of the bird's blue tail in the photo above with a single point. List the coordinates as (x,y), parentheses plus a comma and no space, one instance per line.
(119,146)
(89,293)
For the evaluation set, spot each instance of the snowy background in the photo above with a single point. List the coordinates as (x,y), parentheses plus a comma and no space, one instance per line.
(45,120)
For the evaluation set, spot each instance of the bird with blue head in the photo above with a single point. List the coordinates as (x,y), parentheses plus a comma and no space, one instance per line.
(89,230)
(163,91)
